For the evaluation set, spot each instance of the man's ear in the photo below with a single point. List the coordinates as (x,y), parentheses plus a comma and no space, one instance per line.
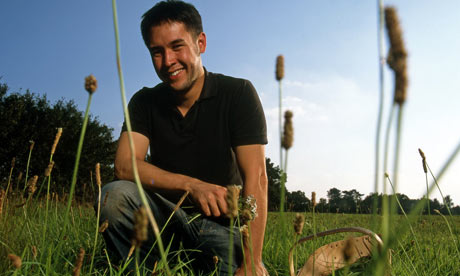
(201,40)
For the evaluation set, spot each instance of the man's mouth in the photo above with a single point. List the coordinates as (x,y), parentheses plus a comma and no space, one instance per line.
(175,73)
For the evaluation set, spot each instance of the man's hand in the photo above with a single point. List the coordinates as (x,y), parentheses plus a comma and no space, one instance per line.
(260,270)
(209,198)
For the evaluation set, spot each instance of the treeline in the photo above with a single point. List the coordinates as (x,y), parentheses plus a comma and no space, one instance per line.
(351,201)
(28,126)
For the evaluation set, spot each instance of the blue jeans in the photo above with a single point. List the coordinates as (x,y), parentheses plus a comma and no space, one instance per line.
(201,238)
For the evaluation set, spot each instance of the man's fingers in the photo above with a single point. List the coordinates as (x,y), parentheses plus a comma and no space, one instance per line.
(222,205)
(214,208)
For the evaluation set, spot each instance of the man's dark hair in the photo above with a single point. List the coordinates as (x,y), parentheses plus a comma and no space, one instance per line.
(171,11)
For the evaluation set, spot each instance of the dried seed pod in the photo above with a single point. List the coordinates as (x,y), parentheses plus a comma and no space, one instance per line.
(78,262)
(49,168)
(32,144)
(397,55)
(98,175)
(288,135)
(140,227)
(90,84)
(13,161)
(56,140)
(233,193)
(15,260)
(215,260)
(279,67)
(299,223)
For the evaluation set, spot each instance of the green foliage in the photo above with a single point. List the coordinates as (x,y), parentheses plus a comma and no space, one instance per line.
(27,116)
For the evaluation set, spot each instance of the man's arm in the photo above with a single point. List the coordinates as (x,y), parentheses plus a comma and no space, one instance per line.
(251,160)
(209,197)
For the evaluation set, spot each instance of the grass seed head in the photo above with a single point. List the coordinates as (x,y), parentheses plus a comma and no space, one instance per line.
(140,226)
(34,251)
(422,154)
(233,194)
(98,174)
(288,135)
(13,161)
(15,260)
(32,144)
(299,223)
(215,260)
(104,226)
(56,140)
(2,198)
(90,84)
(49,168)
(313,199)
(397,54)
(279,67)
(32,185)
(20,177)
(78,262)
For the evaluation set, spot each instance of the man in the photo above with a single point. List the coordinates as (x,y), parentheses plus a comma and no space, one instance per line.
(205,131)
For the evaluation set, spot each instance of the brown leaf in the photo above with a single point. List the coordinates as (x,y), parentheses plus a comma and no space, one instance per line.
(336,255)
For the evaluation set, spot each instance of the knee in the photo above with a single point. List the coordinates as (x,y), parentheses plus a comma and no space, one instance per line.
(118,200)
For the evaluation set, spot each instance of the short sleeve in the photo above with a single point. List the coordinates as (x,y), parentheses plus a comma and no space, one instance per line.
(138,114)
(247,118)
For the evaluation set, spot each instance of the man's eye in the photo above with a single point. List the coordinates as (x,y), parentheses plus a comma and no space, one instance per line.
(155,53)
(177,47)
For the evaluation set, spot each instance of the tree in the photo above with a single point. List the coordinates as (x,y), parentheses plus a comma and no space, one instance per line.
(334,197)
(27,116)
(274,185)
(297,201)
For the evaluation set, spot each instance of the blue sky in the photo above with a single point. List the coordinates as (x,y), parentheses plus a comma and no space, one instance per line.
(331,79)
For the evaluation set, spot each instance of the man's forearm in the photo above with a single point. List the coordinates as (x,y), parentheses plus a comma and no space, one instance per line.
(257,226)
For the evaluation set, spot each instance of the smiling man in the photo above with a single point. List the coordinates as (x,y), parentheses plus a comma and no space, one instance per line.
(205,131)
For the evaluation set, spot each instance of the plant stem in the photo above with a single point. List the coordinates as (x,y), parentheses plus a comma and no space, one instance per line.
(152,220)
(97,228)
(230,248)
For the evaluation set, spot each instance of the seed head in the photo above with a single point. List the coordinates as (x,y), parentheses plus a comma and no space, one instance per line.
(2,197)
(90,84)
(78,262)
(233,193)
(288,135)
(13,161)
(279,67)
(140,227)
(32,144)
(49,168)
(298,223)
(32,185)
(56,140)
(397,55)
(104,226)
(425,169)
(313,199)
(98,174)
(19,177)
(34,251)
(244,230)
(215,260)
(15,260)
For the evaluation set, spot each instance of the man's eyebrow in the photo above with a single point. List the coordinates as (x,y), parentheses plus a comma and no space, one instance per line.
(179,40)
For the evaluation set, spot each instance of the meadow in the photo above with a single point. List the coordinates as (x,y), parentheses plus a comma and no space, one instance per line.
(431,251)
(51,235)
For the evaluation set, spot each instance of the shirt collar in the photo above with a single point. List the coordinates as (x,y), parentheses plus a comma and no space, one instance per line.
(208,90)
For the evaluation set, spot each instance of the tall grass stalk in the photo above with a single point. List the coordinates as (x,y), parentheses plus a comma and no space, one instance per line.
(454,240)
(9,177)
(31,147)
(98,213)
(381,104)
(152,220)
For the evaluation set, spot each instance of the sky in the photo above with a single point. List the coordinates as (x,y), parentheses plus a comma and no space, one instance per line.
(331,76)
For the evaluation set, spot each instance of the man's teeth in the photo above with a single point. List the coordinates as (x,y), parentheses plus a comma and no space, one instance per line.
(176,72)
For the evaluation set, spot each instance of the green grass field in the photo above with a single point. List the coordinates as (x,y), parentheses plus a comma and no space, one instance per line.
(23,232)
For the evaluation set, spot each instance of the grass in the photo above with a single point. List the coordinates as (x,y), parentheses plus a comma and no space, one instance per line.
(21,229)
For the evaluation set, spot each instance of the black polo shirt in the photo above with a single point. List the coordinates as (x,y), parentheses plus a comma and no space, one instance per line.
(227,114)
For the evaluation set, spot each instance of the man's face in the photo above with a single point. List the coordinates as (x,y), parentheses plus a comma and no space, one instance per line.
(176,54)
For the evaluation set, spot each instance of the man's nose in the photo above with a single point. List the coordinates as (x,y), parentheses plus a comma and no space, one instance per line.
(169,58)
